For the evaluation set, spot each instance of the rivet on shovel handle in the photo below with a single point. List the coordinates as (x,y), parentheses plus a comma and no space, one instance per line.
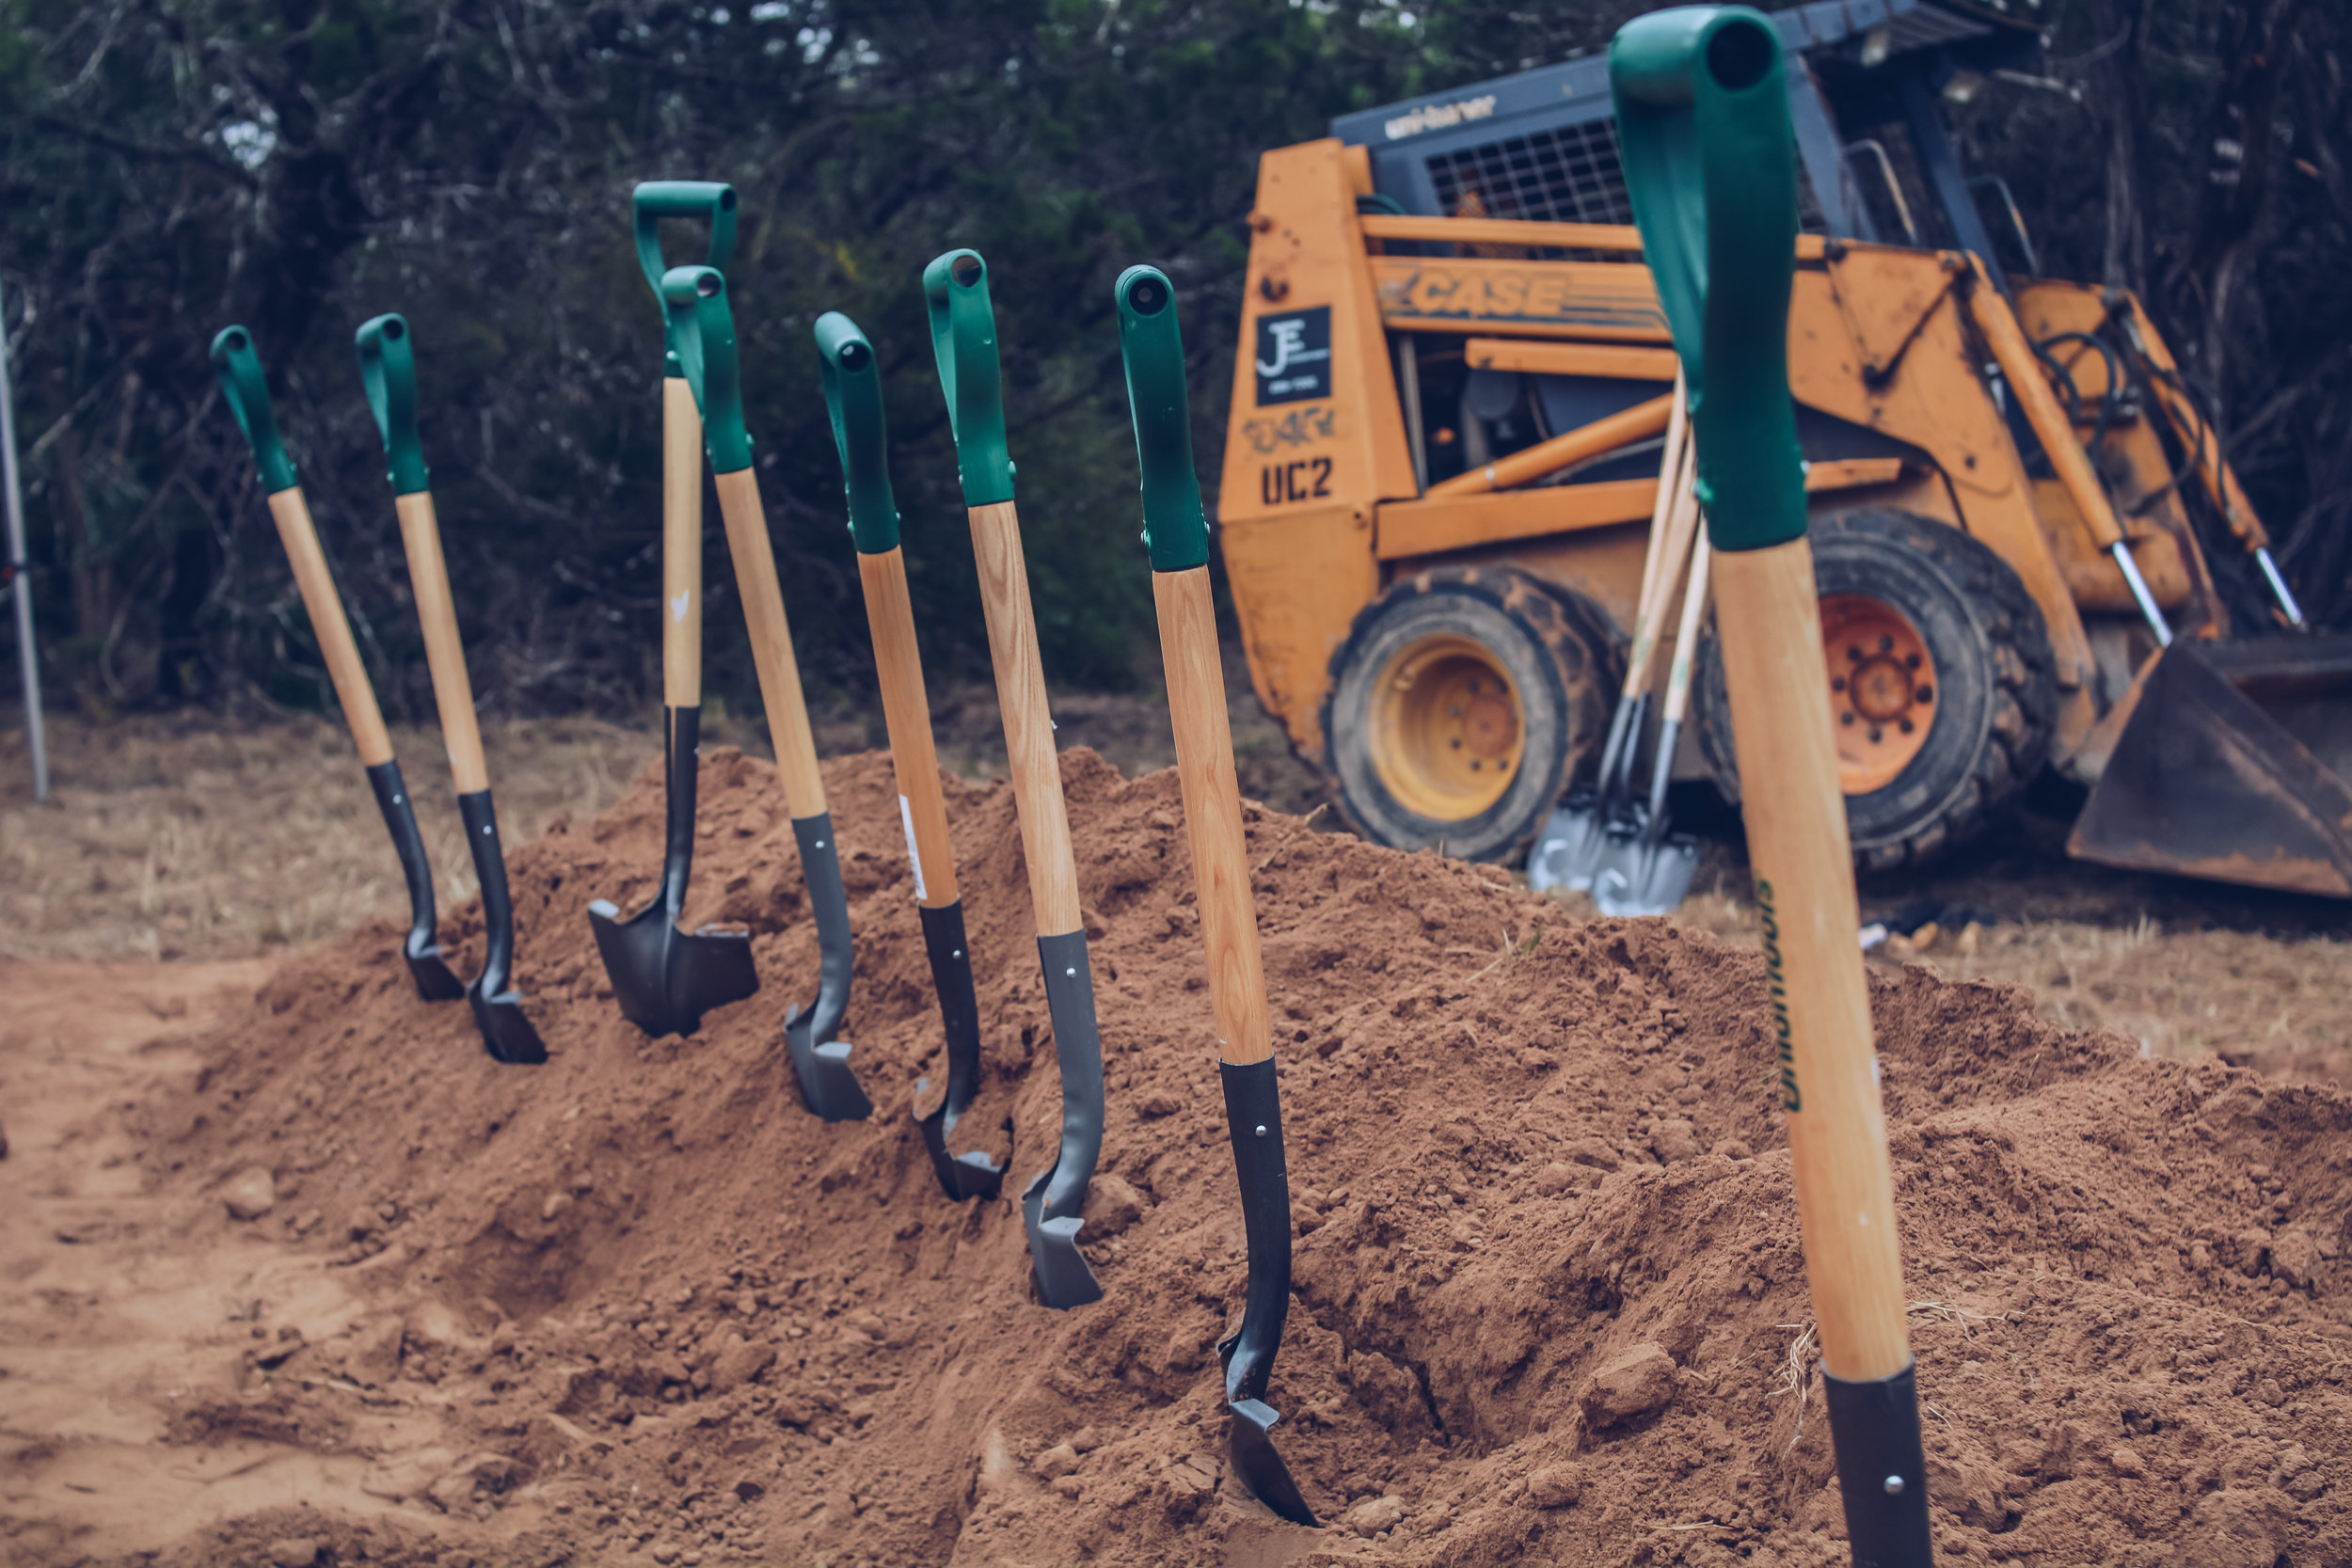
(702,333)
(1710,164)
(1177,533)
(854,402)
(247,389)
(388,370)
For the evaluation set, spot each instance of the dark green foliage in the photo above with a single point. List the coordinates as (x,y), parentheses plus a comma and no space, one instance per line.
(171,165)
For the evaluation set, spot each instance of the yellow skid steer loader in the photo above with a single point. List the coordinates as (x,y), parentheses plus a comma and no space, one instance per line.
(1443,458)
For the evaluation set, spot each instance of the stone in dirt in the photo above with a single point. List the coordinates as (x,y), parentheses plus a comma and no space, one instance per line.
(295,1552)
(1628,1385)
(250,1193)
(1556,1485)
(1112,1204)
(1374,1514)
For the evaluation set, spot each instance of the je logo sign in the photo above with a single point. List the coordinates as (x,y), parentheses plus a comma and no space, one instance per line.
(1295,355)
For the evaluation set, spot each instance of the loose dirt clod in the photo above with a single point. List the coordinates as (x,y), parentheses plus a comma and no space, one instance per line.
(754,1336)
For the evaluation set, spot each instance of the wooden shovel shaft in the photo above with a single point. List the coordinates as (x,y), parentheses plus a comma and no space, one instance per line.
(1029,752)
(1686,633)
(771,642)
(1204,773)
(1770,623)
(1670,461)
(325,607)
(444,655)
(681,546)
(1681,511)
(906,712)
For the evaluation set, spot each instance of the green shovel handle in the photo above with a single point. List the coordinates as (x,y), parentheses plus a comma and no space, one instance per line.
(963,338)
(853,401)
(387,368)
(1711,166)
(1175,530)
(655,200)
(248,391)
(701,333)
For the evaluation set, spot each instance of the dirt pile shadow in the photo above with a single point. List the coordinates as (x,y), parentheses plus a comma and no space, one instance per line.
(1550,1305)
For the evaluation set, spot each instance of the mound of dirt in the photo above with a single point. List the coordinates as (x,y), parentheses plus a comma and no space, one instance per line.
(637,1305)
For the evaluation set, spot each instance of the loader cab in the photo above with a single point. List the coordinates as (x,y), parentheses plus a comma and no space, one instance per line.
(1866,82)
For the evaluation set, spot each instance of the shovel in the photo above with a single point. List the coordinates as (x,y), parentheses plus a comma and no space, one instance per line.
(853,398)
(248,391)
(1646,870)
(1710,162)
(703,330)
(388,368)
(1568,852)
(963,338)
(665,979)
(1177,536)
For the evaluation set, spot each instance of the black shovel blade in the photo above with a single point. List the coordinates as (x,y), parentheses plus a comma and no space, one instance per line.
(2234,766)
(1052,1203)
(821,1064)
(971,1174)
(665,979)
(1064,1279)
(1261,1469)
(505,1030)
(435,980)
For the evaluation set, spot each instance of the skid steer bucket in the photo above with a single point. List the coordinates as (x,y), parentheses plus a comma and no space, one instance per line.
(2235,764)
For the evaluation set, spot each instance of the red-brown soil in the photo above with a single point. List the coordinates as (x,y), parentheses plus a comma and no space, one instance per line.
(637,1305)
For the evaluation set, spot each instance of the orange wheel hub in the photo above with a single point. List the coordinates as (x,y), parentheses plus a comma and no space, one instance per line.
(1883,689)
(1447,728)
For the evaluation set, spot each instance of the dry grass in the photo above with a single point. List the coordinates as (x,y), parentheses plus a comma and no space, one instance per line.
(181,837)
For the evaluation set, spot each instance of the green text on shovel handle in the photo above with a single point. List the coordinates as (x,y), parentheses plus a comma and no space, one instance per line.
(854,402)
(248,391)
(1710,164)
(387,368)
(1174,529)
(655,200)
(963,337)
(702,334)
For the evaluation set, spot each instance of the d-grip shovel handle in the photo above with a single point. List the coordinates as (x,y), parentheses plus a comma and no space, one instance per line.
(655,200)
(388,368)
(963,338)
(861,438)
(1711,165)
(242,383)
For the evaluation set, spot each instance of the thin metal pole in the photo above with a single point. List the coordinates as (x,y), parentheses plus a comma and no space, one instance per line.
(27,663)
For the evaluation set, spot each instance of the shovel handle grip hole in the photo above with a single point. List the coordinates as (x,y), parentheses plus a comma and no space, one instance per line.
(966,270)
(854,356)
(237,340)
(1147,296)
(1740,53)
(726,200)
(394,332)
(709,283)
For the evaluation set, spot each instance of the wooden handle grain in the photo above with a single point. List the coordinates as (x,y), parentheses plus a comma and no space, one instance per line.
(444,655)
(1770,623)
(1204,773)
(1687,634)
(908,713)
(771,642)
(1028,724)
(325,607)
(1681,511)
(681,546)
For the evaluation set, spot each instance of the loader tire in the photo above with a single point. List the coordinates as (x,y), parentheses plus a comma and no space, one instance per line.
(1948,690)
(1458,705)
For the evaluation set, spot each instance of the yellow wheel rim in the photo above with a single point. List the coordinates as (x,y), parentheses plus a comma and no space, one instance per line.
(1882,689)
(1448,728)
